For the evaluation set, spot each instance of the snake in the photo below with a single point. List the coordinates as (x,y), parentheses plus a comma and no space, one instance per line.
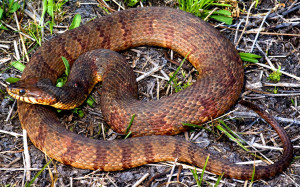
(218,87)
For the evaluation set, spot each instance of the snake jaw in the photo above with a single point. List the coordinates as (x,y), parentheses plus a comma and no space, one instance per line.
(28,92)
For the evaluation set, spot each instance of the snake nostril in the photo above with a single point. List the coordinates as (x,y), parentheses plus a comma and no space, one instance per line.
(22,91)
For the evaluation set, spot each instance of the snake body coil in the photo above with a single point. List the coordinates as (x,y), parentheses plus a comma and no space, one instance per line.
(217,89)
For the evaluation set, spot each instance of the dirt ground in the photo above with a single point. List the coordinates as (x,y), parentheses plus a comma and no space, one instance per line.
(279,45)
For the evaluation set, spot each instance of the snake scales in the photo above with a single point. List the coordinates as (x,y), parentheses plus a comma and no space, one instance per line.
(217,89)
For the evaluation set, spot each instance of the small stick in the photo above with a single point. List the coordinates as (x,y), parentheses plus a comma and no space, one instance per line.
(263,33)
(266,57)
(17,53)
(105,5)
(140,180)
(4,46)
(282,84)
(279,95)
(10,111)
(247,19)
(10,133)
(283,72)
(155,69)
(237,31)
(259,29)
(17,31)
(20,169)
(118,4)
(254,115)
(210,13)
(22,40)
(262,139)
(266,147)
(156,76)
(157,89)
(103,131)
(26,154)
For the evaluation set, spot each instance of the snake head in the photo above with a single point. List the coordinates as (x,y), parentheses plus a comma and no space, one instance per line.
(30,91)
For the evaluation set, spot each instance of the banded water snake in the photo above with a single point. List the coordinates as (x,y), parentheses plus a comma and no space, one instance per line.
(218,87)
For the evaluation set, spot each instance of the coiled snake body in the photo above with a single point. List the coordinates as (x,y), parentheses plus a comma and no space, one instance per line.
(217,89)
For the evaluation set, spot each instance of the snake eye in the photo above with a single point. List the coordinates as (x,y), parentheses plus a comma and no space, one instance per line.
(22,91)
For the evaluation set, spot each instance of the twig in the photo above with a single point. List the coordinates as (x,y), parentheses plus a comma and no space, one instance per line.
(17,53)
(254,115)
(266,147)
(20,169)
(172,171)
(10,133)
(4,46)
(283,72)
(210,13)
(17,31)
(247,19)
(155,69)
(156,76)
(118,4)
(237,31)
(140,180)
(266,57)
(10,111)
(27,157)
(282,84)
(263,33)
(21,37)
(290,10)
(279,95)
(157,88)
(259,29)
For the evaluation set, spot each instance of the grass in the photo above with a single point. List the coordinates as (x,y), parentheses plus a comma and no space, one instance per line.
(128,132)
(75,22)
(38,174)
(227,131)
(205,8)
(54,10)
(249,57)
(7,8)
(230,134)
(199,181)
(178,85)
(275,75)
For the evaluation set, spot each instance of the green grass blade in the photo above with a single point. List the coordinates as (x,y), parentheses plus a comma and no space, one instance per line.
(223,12)
(129,126)
(128,134)
(249,57)
(202,173)
(90,101)
(221,18)
(18,65)
(196,126)
(219,180)
(231,137)
(67,65)
(45,5)
(75,22)
(231,132)
(12,79)
(38,174)
(175,73)
(130,123)
(194,172)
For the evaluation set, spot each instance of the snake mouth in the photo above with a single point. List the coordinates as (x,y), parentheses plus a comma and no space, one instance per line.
(32,100)
(30,93)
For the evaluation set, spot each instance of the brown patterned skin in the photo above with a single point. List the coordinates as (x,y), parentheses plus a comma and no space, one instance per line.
(218,88)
